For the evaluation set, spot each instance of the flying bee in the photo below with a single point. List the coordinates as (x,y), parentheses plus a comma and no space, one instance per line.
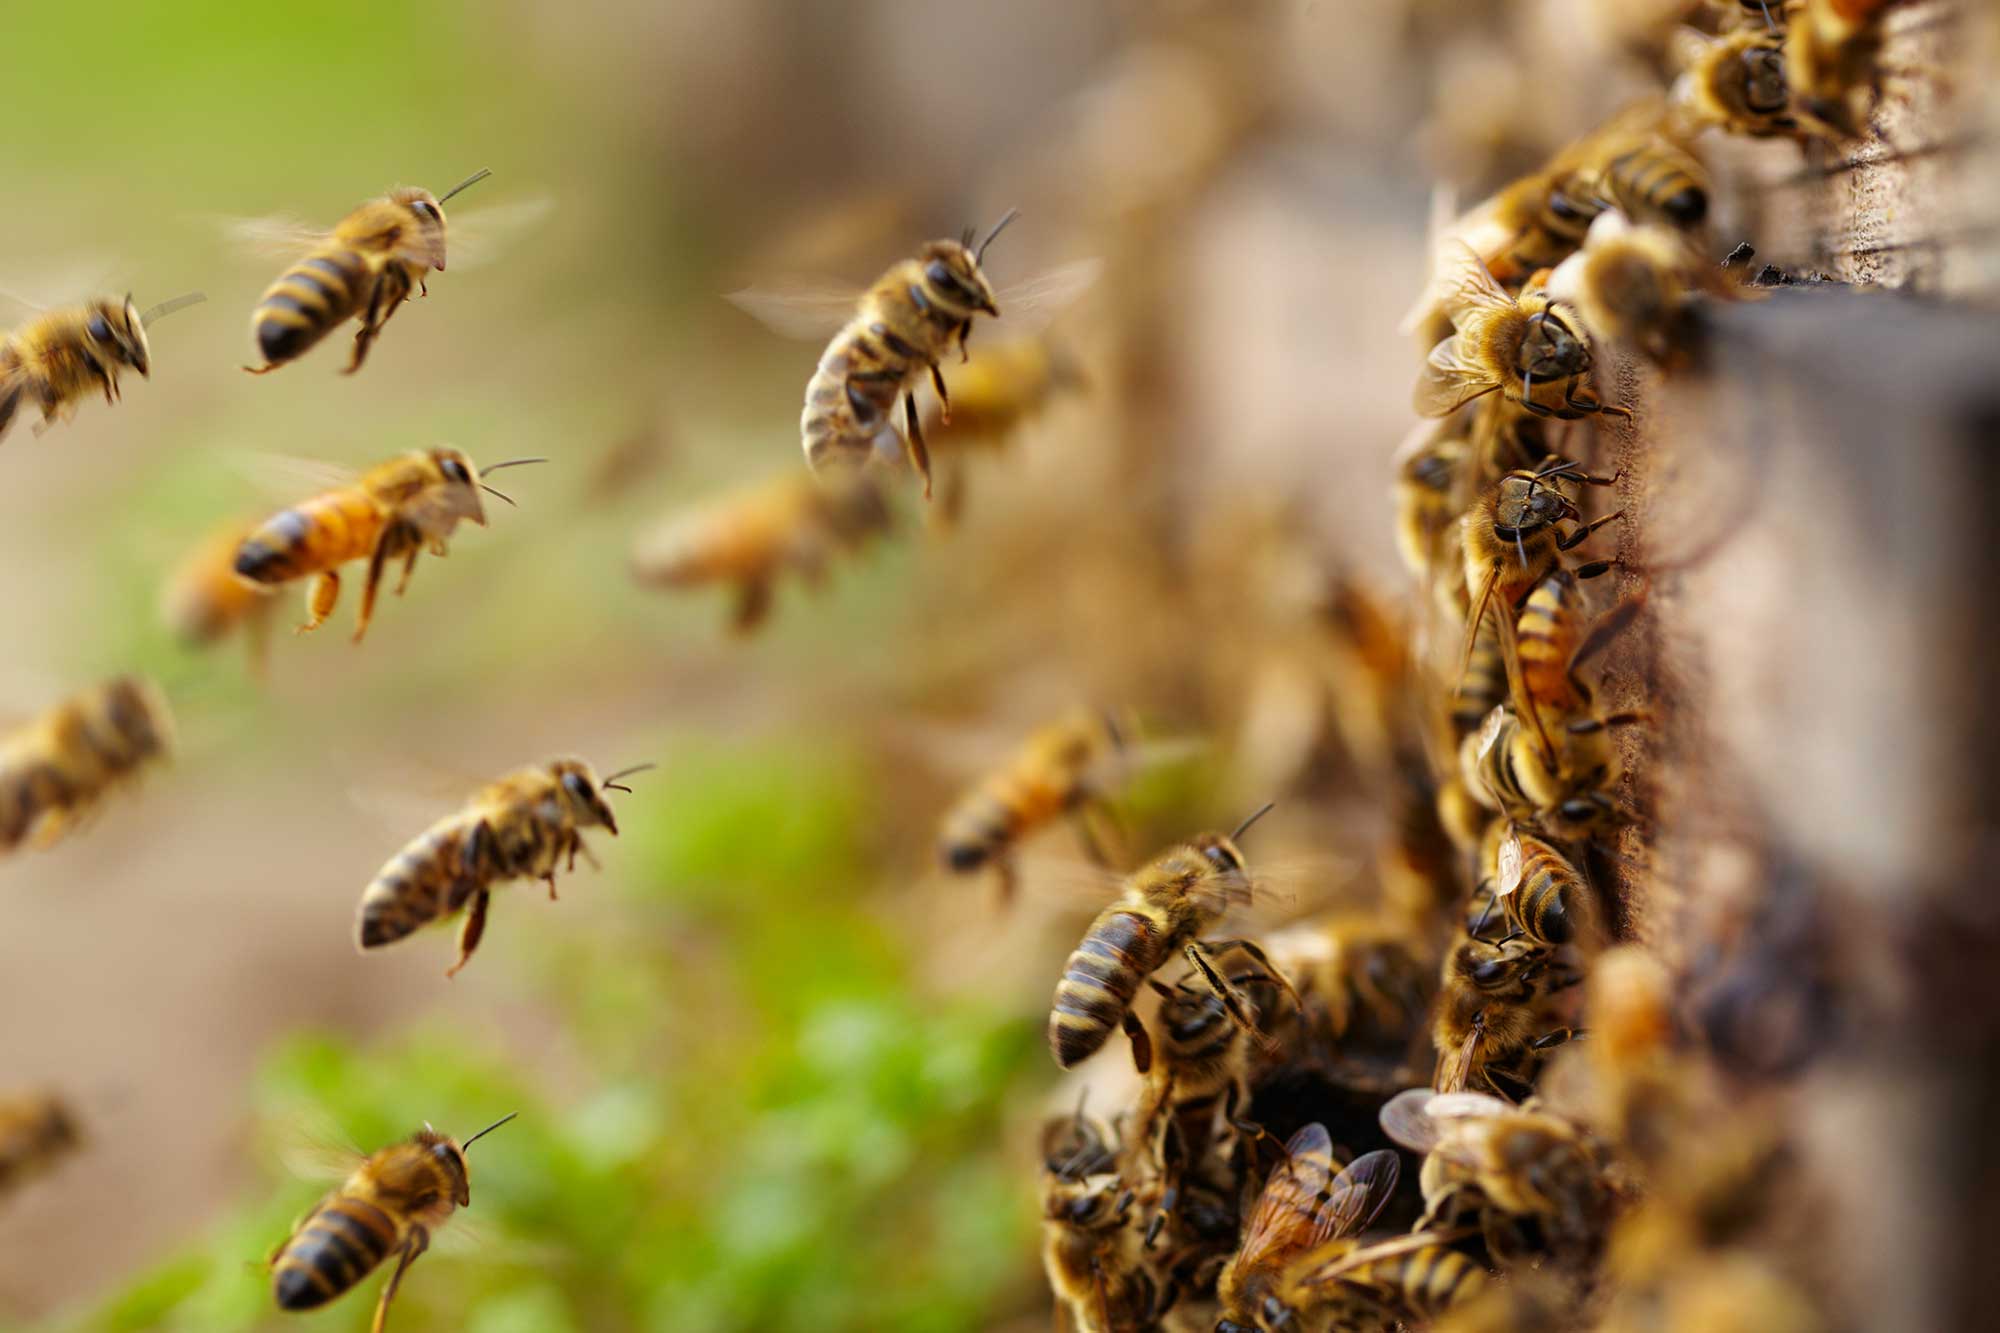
(395,511)
(60,356)
(1489,1022)
(366,266)
(1165,908)
(1527,350)
(518,827)
(1735,82)
(37,1130)
(55,770)
(751,536)
(1512,542)
(1308,1201)
(1833,65)
(1068,768)
(205,600)
(390,1205)
(899,330)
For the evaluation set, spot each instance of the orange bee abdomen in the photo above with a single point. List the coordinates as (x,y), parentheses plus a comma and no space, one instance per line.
(340,1243)
(429,879)
(1002,810)
(324,532)
(1120,951)
(1547,634)
(309,301)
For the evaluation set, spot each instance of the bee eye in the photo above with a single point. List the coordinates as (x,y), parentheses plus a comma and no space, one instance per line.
(1489,972)
(100,329)
(940,275)
(455,471)
(1223,857)
(574,784)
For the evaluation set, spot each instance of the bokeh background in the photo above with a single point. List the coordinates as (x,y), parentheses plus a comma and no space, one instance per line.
(774,1069)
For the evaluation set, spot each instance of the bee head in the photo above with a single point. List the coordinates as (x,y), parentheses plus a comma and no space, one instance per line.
(117,334)
(1091,1204)
(1551,350)
(459,498)
(1529,503)
(450,1158)
(1764,89)
(583,791)
(428,216)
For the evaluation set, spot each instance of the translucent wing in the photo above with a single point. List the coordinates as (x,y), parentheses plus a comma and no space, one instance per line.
(1406,1119)
(310,1144)
(1026,307)
(287,479)
(1509,869)
(1359,1194)
(1466,1106)
(481,235)
(805,310)
(1447,383)
(277,235)
(1464,284)
(1289,1216)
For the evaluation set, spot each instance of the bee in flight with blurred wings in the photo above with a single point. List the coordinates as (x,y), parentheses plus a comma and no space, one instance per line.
(887,338)
(61,355)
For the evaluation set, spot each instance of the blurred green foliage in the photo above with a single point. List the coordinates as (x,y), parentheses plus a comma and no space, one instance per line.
(778,1132)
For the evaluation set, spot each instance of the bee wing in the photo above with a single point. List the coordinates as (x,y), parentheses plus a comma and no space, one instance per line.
(803,309)
(287,479)
(482,235)
(278,235)
(1445,1106)
(1406,1119)
(1333,1268)
(1286,1217)
(1508,875)
(310,1144)
(1358,1194)
(1447,383)
(1465,285)
(1026,307)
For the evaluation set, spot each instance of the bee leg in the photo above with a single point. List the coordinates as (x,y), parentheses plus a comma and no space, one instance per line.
(473,927)
(1005,880)
(550,880)
(1234,1002)
(409,567)
(753,603)
(1250,1129)
(1575,538)
(1549,1040)
(913,441)
(964,333)
(944,395)
(1257,955)
(419,1241)
(320,600)
(372,584)
(1142,1044)
(370,325)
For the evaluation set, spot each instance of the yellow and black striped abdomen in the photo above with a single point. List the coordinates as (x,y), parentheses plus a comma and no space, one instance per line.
(1659,180)
(1002,810)
(1548,631)
(309,301)
(1423,1283)
(1484,684)
(851,398)
(429,879)
(1552,898)
(340,1242)
(1121,950)
(323,533)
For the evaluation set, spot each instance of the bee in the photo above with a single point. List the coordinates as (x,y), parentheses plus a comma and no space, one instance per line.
(1546,897)
(1735,82)
(390,1205)
(1066,768)
(1528,350)
(55,770)
(396,510)
(1362,974)
(1832,64)
(1308,1200)
(366,266)
(204,599)
(518,827)
(1512,542)
(1489,1022)
(1164,909)
(62,355)
(1091,1250)
(1631,285)
(37,1130)
(1347,1287)
(1567,793)
(906,323)
(1429,470)
(751,536)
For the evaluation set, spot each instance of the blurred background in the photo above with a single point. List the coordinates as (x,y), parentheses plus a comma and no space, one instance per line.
(774,1069)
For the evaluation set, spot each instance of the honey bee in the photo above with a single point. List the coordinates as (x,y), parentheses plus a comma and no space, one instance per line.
(1066,768)
(1362,974)
(390,1205)
(518,827)
(1483,1153)
(204,600)
(1164,909)
(366,266)
(1308,1201)
(1345,1286)
(1832,63)
(1546,897)
(36,1131)
(1631,285)
(395,510)
(1567,793)
(1490,1022)
(1091,1251)
(62,355)
(1429,470)
(1735,82)
(55,770)
(751,536)
(1527,350)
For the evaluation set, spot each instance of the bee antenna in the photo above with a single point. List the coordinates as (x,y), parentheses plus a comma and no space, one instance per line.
(488,1130)
(612,781)
(512,462)
(501,494)
(168,307)
(1263,810)
(965,237)
(468,182)
(979,255)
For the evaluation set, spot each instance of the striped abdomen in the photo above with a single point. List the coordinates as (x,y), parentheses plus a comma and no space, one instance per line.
(1423,1283)
(1657,179)
(311,298)
(340,1242)
(429,879)
(1003,809)
(323,533)
(1120,951)
(1548,632)
(851,398)
(1552,900)
(1197,1045)
(1485,682)
(1498,772)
